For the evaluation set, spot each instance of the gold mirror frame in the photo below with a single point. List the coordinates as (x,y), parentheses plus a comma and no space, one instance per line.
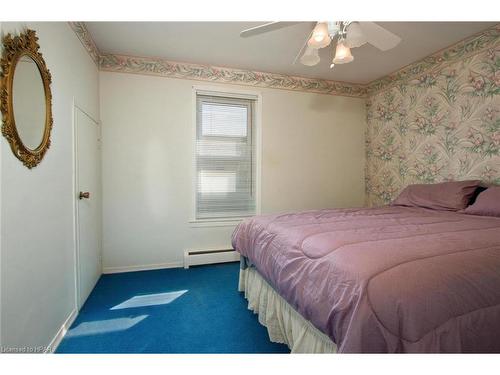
(13,49)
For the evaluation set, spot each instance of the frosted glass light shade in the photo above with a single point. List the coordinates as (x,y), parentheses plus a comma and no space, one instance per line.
(320,37)
(310,57)
(355,37)
(342,54)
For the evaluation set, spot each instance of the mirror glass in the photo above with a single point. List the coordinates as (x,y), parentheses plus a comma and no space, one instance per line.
(29,102)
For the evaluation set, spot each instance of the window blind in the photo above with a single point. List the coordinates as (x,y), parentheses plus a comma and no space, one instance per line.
(225,170)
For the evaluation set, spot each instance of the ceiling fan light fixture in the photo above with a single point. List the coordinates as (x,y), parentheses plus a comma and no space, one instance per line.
(320,37)
(333,28)
(355,37)
(310,57)
(342,54)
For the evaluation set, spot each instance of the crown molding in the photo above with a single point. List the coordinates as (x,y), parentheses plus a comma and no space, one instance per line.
(86,39)
(172,69)
(467,47)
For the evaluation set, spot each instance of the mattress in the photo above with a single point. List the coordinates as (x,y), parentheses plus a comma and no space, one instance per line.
(390,279)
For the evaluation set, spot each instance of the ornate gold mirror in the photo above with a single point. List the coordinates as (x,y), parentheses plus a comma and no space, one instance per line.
(26,99)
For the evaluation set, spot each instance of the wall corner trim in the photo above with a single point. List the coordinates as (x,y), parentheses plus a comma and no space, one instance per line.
(54,343)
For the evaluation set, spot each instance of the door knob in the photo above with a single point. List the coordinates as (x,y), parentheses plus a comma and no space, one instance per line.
(85,195)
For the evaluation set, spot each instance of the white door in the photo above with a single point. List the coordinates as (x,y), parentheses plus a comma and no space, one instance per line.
(88,197)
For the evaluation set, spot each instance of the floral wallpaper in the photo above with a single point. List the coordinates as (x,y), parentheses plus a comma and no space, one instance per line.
(442,124)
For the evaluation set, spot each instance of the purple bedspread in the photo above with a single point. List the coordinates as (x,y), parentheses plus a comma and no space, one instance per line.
(390,279)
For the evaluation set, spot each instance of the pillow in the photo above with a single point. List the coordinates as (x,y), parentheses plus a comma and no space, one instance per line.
(448,196)
(486,204)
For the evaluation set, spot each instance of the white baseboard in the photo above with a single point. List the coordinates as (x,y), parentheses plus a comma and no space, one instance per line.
(209,256)
(54,343)
(148,267)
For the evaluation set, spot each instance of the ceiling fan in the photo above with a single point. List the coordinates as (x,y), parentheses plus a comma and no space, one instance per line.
(348,34)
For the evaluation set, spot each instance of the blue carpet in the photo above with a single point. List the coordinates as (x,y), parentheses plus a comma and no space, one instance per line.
(198,310)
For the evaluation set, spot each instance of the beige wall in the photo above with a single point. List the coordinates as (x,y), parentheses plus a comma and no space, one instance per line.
(37,206)
(312,157)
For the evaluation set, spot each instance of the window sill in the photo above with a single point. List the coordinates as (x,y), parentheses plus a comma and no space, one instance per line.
(215,222)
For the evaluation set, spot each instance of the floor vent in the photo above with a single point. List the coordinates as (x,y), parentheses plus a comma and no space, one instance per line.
(210,256)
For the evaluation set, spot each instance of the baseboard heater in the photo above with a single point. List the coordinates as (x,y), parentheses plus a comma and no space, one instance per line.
(209,256)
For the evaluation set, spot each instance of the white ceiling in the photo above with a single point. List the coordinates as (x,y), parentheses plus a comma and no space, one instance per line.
(219,43)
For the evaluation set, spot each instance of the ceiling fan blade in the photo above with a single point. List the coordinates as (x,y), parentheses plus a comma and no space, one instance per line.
(304,45)
(267,27)
(379,37)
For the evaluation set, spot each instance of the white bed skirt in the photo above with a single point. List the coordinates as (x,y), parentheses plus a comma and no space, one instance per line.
(283,323)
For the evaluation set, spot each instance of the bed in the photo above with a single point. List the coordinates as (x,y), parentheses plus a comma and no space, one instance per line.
(374,280)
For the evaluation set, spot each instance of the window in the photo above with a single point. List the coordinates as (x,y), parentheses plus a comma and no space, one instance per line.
(225,157)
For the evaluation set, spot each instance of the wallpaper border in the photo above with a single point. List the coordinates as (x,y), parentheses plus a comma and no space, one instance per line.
(86,39)
(172,69)
(469,46)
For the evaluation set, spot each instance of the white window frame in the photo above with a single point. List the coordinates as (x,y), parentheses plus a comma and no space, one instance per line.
(226,92)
